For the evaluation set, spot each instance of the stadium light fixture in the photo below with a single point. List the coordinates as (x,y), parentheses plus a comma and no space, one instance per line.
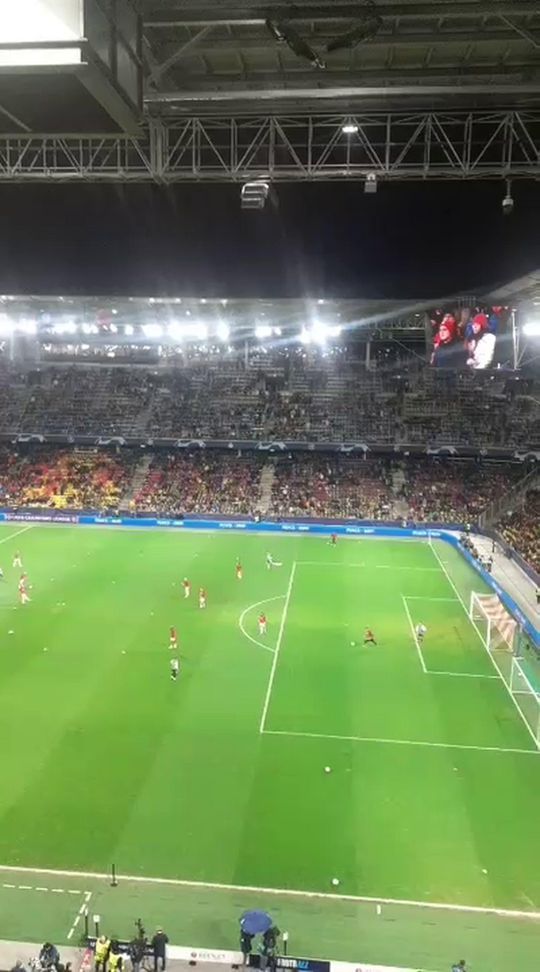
(263,331)
(531,328)
(152,330)
(27,326)
(176,331)
(349,128)
(223,331)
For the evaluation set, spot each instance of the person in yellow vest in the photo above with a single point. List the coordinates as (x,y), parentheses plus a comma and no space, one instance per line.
(115,957)
(103,946)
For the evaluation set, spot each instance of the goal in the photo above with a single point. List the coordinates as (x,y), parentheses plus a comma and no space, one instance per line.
(496,627)
(513,657)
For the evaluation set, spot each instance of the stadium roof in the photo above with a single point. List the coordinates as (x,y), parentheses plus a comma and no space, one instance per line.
(525,289)
(216,55)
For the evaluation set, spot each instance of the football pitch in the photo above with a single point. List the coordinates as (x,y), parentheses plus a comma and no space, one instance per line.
(216,783)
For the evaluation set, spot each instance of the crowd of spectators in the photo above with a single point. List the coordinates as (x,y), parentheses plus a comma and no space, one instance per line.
(200,483)
(521,529)
(64,478)
(285,396)
(333,488)
(454,491)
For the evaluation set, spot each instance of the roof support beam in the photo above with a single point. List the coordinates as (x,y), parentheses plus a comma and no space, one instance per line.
(196,12)
(181,52)
(522,31)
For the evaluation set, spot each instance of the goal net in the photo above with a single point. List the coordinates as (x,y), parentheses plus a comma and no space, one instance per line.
(503,639)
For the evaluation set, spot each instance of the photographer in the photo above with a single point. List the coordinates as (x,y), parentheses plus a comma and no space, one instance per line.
(268,949)
(136,950)
(246,941)
(49,956)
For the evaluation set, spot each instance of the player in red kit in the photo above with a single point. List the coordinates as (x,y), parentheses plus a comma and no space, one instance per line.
(262,624)
(239,570)
(202,597)
(173,638)
(23,592)
(187,587)
(369,637)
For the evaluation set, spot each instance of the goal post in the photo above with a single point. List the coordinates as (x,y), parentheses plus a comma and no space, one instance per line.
(495,625)
(501,636)
(526,695)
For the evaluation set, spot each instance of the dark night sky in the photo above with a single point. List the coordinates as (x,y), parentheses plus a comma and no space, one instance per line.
(415,240)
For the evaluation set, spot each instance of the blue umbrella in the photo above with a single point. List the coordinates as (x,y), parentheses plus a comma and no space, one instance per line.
(255,922)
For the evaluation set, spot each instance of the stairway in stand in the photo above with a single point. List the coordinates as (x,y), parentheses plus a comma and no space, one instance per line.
(267,482)
(137,480)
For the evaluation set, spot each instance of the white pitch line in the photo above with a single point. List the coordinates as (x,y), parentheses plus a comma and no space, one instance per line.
(399,742)
(464,606)
(413,632)
(250,608)
(278,646)
(494,678)
(247,888)
(335,563)
(17,532)
(423,597)
(80,913)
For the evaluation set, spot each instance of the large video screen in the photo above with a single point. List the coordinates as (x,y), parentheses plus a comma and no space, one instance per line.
(477,338)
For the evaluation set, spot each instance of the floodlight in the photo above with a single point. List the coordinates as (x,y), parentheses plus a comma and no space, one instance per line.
(350,128)
(531,328)
(305,336)
(128,329)
(152,330)
(223,331)
(27,327)
(176,331)
(263,331)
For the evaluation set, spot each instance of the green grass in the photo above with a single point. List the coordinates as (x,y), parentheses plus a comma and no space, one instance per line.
(105,760)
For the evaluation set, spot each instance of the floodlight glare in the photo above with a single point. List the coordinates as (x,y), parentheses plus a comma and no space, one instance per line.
(349,128)
(176,331)
(531,328)
(223,331)
(152,330)
(27,327)
(305,336)
(263,331)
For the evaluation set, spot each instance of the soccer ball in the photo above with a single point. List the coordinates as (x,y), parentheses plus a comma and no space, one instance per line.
(335,882)
(353,644)
(327,769)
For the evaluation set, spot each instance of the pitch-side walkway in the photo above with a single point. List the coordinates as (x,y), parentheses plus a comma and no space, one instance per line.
(510,576)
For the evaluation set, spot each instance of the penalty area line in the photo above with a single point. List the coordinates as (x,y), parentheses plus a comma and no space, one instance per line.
(399,742)
(360,899)
(17,532)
